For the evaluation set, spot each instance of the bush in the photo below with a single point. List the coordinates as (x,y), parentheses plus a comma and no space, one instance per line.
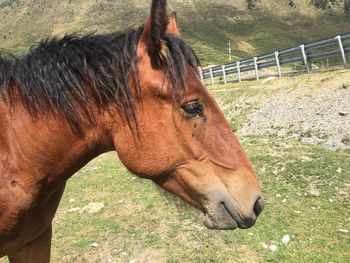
(250,4)
(346,7)
(322,4)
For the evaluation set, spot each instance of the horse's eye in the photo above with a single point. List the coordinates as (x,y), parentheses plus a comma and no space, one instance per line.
(193,108)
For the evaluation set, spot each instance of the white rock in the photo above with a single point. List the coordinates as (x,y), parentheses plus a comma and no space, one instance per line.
(314,191)
(278,195)
(285,239)
(121,201)
(273,248)
(342,230)
(93,208)
(297,212)
(250,234)
(74,209)
(339,170)
(72,200)
(94,245)
(330,200)
(305,159)
(284,200)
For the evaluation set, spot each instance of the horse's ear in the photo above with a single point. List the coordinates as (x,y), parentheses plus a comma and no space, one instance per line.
(172,25)
(157,25)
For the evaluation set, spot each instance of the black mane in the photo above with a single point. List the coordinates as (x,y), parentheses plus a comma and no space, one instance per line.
(71,75)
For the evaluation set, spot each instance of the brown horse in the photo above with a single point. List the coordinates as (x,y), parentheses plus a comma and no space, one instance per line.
(138,93)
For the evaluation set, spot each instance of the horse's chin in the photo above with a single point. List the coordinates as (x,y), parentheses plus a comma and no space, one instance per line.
(222,224)
(223,214)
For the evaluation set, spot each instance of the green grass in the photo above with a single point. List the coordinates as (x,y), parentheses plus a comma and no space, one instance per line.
(148,224)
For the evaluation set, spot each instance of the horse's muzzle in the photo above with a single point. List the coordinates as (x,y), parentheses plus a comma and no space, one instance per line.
(225,214)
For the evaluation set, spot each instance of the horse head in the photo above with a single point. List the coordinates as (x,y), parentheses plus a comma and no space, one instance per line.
(183,142)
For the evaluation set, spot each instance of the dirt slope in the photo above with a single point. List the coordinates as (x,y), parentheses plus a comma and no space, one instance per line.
(313,108)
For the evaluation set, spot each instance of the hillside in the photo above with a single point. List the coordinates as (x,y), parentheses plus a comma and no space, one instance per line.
(312,108)
(207,25)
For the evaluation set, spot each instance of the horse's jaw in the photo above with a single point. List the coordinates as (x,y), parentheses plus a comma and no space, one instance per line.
(225,199)
(212,223)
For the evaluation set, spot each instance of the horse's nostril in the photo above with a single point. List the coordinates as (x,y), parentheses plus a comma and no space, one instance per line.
(258,206)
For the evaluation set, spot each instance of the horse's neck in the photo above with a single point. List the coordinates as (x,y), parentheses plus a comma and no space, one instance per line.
(48,150)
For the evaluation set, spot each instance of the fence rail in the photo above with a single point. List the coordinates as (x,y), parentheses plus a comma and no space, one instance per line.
(305,54)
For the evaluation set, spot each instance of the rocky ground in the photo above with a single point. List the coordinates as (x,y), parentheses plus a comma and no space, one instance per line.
(314,108)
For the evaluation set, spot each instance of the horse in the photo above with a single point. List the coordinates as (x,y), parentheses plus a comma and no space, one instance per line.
(138,93)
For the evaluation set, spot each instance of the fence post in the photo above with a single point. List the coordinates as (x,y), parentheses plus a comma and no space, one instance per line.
(201,74)
(278,63)
(239,71)
(256,67)
(211,76)
(341,49)
(224,74)
(302,47)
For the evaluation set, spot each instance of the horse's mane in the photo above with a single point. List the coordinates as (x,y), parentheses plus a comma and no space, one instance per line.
(71,75)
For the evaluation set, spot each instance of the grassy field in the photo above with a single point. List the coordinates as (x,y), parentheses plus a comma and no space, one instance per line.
(306,189)
(148,227)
